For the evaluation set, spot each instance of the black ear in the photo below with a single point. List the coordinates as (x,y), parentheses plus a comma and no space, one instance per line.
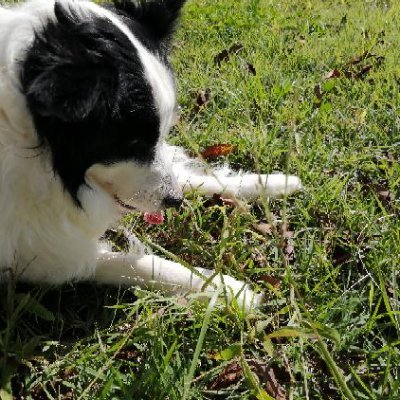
(158,16)
(69,93)
(62,75)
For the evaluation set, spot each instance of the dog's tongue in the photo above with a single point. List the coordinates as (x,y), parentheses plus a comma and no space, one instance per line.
(155,218)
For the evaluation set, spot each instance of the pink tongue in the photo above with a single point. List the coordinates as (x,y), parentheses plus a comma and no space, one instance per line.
(156,218)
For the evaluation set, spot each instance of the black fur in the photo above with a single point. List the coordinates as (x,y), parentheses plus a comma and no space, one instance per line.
(158,16)
(85,88)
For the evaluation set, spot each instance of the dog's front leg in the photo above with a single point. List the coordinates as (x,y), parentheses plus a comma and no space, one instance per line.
(246,186)
(194,174)
(153,272)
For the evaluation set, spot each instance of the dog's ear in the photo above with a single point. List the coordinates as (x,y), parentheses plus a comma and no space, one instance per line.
(69,93)
(158,16)
(65,77)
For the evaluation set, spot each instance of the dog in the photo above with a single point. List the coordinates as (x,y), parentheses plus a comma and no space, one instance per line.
(87,98)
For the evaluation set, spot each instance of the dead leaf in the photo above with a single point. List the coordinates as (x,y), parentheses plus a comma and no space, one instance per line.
(359,116)
(222,56)
(273,387)
(215,151)
(286,233)
(302,39)
(128,355)
(356,68)
(231,374)
(263,228)
(225,54)
(267,376)
(319,94)
(364,56)
(218,200)
(259,258)
(67,373)
(235,48)
(363,71)
(288,248)
(271,280)
(335,73)
(386,195)
(251,69)
(289,252)
(340,255)
(202,99)
(358,59)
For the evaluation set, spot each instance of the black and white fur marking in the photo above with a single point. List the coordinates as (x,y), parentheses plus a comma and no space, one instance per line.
(87,98)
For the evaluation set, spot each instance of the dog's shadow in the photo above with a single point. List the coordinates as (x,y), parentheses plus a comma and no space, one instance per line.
(62,313)
(33,317)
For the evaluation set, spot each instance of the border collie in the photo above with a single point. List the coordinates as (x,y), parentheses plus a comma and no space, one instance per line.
(87,98)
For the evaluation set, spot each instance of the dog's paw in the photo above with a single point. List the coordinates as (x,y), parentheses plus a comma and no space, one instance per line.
(280,184)
(273,185)
(238,292)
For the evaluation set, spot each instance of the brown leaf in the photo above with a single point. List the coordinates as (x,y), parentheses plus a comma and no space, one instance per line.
(228,376)
(319,94)
(225,54)
(263,228)
(358,59)
(356,67)
(364,56)
(302,39)
(271,280)
(288,248)
(335,73)
(128,355)
(286,233)
(340,255)
(222,56)
(259,258)
(251,69)
(235,48)
(289,252)
(363,71)
(348,74)
(202,99)
(273,387)
(267,376)
(218,200)
(386,195)
(218,150)
(67,373)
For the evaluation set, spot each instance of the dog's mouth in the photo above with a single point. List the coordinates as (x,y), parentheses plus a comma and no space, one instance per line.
(152,218)
(123,205)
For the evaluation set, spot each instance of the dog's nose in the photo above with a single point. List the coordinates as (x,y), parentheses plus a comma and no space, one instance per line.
(172,202)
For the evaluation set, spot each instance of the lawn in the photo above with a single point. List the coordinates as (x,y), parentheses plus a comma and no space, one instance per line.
(309,87)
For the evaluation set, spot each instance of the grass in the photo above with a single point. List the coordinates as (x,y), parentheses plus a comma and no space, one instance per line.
(327,258)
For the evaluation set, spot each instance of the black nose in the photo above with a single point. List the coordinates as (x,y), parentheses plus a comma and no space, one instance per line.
(172,202)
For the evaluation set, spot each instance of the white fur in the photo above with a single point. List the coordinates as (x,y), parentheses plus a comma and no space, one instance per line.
(44,236)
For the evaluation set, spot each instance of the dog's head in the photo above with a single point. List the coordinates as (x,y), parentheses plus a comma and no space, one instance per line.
(102,96)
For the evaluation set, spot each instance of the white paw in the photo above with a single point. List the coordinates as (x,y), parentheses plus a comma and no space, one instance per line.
(245,297)
(281,184)
(274,185)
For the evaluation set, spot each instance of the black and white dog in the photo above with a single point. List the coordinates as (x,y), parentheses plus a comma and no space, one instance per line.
(87,98)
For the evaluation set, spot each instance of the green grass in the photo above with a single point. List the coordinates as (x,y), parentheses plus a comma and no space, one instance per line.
(329,328)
